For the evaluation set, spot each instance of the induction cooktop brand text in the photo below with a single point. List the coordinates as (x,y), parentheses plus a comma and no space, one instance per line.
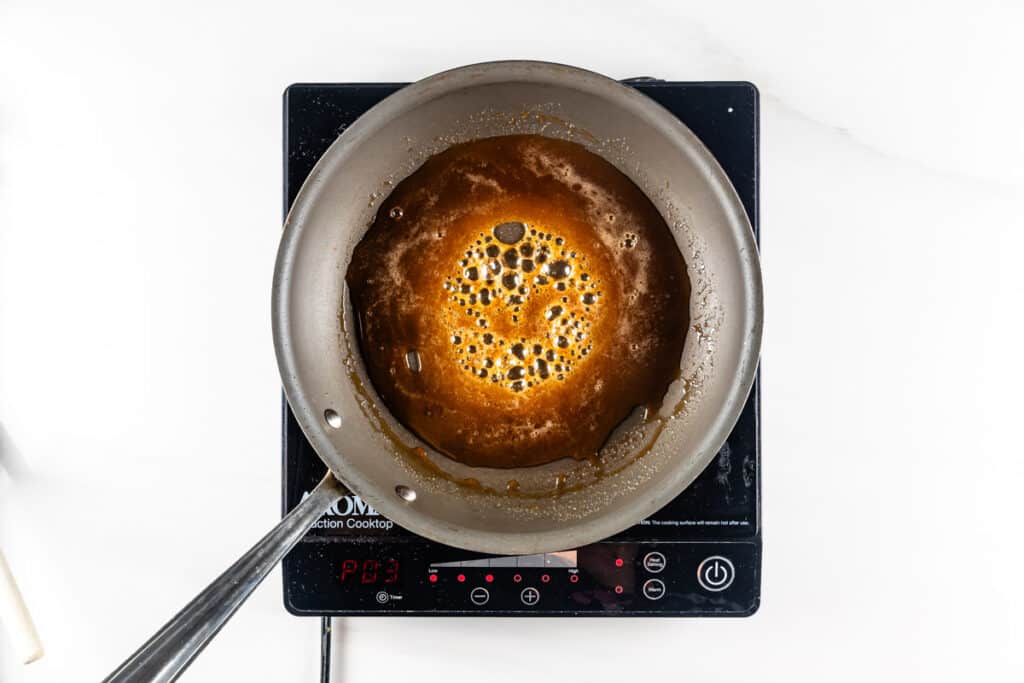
(351,512)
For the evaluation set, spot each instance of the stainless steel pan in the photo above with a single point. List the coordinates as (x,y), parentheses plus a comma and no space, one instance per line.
(322,374)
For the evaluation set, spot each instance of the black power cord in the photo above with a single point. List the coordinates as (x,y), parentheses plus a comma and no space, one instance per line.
(325,650)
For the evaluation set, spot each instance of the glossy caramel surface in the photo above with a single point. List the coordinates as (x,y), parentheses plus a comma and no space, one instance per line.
(518,297)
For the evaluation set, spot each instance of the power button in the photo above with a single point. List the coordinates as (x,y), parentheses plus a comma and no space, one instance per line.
(716,573)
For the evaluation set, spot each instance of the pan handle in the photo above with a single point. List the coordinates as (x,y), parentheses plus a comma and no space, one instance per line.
(168,653)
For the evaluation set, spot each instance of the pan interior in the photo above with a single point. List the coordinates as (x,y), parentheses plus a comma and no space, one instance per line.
(565,503)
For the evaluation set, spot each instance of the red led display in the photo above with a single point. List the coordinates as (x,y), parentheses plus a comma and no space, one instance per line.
(370,572)
(618,562)
(489,578)
(433,578)
(461,578)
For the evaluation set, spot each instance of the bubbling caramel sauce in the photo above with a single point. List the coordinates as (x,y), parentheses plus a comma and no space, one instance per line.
(517,298)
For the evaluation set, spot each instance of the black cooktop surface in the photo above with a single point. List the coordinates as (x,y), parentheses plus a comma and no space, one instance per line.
(698,556)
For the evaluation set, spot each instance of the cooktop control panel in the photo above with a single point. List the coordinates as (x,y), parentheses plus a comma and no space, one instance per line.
(697,579)
(700,555)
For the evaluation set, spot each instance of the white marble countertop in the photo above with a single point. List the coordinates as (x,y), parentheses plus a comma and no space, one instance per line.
(139,213)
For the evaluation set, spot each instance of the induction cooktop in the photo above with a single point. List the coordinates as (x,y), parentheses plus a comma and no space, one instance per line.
(700,555)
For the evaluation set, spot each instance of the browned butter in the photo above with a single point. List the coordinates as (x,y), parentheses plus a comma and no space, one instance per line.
(517,297)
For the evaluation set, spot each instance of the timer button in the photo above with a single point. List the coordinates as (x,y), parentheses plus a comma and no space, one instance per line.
(479,596)
(654,562)
(530,596)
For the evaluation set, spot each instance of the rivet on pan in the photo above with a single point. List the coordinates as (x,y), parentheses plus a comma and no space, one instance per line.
(332,418)
(405,493)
